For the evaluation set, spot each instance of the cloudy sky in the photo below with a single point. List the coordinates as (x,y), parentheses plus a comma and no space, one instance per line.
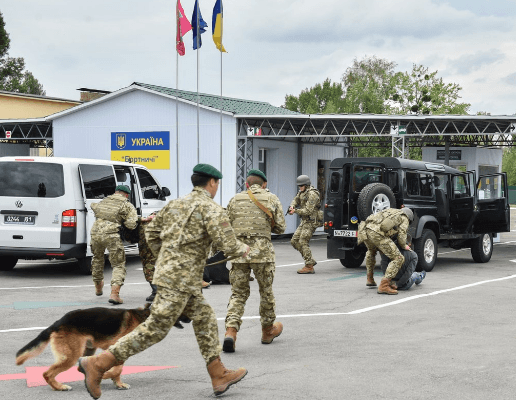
(274,47)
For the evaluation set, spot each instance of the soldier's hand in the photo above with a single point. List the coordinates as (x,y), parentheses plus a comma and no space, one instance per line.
(407,247)
(291,210)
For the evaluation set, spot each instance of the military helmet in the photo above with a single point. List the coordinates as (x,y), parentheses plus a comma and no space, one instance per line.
(303,180)
(408,212)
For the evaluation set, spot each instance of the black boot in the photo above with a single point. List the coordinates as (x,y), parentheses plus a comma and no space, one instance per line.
(153,294)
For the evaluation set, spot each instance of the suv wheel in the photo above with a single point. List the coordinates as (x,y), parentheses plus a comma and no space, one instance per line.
(374,198)
(482,248)
(84,265)
(354,258)
(7,263)
(426,250)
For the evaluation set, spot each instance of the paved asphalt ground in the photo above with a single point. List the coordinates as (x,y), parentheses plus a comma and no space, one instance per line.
(453,337)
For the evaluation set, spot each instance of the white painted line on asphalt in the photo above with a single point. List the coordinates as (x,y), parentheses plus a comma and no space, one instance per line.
(512,260)
(36,328)
(65,286)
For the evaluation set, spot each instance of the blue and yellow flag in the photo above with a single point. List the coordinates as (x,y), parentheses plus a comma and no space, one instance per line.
(216,25)
(198,26)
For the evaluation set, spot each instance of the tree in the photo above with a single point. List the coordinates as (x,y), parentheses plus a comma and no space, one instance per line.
(421,92)
(325,98)
(509,165)
(13,78)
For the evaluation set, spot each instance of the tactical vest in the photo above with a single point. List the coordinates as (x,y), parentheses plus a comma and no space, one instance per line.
(248,219)
(384,221)
(109,209)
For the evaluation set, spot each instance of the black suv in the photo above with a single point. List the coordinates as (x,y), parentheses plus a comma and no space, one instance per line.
(450,206)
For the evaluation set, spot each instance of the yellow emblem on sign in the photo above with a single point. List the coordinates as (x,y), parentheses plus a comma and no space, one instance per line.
(120,140)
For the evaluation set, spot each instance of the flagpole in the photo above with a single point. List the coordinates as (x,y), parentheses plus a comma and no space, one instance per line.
(221,123)
(177,121)
(198,50)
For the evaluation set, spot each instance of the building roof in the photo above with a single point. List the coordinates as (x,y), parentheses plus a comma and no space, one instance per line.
(231,105)
(38,97)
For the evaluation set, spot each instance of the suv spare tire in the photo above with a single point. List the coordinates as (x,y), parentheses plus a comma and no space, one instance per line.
(426,250)
(374,198)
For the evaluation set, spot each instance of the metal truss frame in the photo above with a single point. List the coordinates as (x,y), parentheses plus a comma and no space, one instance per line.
(37,133)
(356,131)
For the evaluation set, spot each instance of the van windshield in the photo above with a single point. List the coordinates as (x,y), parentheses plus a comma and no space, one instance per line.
(31,179)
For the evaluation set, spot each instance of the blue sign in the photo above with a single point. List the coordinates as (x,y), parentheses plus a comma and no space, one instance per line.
(140,141)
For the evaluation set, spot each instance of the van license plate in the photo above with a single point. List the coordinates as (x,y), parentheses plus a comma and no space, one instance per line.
(345,233)
(20,219)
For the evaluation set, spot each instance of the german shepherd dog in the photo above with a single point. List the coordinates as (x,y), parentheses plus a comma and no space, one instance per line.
(79,333)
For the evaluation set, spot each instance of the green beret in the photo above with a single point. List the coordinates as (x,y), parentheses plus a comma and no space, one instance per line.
(258,173)
(207,170)
(123,188)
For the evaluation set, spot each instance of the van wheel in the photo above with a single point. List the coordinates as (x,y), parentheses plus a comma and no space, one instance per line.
(84,265)
(426,250)
(7,263)
(482,248)
(374,198)
(354,258)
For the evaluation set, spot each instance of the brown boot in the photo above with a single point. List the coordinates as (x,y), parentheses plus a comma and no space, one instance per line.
(385,287)
(370,279)
(230,340)
(115,298)
(222,378)
(307,269)
(270,332)
(93,369)
(99,285)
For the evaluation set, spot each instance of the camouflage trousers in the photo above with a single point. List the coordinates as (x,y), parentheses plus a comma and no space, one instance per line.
(115,247)
(301,238)
(240,291)
(166,309)
(147,258)
(376,241)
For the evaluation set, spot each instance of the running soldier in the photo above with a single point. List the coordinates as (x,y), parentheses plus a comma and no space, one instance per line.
(110,213)
(376,232)
(254,214)
(307,205)
(180,235)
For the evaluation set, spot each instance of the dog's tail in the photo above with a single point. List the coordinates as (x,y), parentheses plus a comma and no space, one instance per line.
(35,347)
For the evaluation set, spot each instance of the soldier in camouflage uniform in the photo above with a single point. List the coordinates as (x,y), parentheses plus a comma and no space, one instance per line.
(147,258)
(110,213)
(180,235)
(253,224)
(376,232)
(307,205)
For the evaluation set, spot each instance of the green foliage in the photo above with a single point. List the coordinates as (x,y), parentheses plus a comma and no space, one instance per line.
(509,165)
(422,92)
(325,98)
(13,78)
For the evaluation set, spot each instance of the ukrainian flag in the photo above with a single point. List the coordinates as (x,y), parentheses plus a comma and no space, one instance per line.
(216,25)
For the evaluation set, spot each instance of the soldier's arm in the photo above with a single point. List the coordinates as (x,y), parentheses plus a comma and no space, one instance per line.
(222,234)
(311,204)
(230,210)
(153,233)
(295,202)
(402,232)
(279,217)
(131,216)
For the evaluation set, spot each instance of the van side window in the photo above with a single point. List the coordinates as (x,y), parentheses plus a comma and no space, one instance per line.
(98,180)
(150,189)
(31,179)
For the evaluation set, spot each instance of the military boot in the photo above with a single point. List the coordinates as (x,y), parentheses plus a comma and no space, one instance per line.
(94,368)
(151,297)
(307,269)
(115,298)
(222,378)
(393,285)
(99,285)
(385,287)
(230,340)
(270,332)
(370,279)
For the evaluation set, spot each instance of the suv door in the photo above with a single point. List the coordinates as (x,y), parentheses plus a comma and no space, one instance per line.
(98,182)
(493,204)
(462,201)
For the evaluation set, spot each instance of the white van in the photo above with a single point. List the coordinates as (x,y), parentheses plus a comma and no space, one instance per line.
(45,204)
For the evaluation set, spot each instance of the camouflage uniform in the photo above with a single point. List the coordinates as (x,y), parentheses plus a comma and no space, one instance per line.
(378,229)
(181,234)
(321,185)
(110,213)
(147,258)
(253,227)
(306,204)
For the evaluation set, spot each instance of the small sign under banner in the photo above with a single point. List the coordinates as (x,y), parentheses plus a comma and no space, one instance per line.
(454,154)
(7,134)
(254,131)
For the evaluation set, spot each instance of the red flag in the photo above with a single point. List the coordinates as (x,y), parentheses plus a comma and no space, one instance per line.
(183,26)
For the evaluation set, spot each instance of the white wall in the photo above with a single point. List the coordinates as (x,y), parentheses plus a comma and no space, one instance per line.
(87,134)
(471,157)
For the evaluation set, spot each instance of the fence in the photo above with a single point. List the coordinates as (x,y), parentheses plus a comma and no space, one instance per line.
(512,194)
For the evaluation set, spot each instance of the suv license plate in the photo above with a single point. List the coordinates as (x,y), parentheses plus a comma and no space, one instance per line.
(345,233)
(20,219)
